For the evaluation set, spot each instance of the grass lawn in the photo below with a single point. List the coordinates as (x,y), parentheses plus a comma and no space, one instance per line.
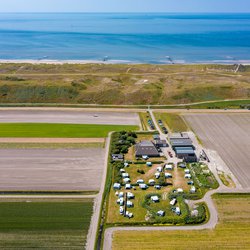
(173,121)
(232,231)
(46,130)
(144,117)
(46,225)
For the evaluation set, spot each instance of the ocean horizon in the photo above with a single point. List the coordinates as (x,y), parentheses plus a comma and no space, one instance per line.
(160,38)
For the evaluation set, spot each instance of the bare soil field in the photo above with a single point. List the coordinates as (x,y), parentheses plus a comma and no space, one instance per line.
(51,169)
(73,117)
(229,135)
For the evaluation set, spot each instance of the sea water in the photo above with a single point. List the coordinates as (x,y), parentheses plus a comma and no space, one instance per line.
(135,38)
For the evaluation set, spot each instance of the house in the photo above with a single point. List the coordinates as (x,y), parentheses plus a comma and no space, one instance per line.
(128,186)
(117,186)
(186,153)
(160,143)
(143,186)
(161,213)
(155,198)
(172,202)
(117,157)
(169,167)
(146,148)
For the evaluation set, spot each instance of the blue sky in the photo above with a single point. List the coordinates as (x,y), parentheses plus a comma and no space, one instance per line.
(124,5)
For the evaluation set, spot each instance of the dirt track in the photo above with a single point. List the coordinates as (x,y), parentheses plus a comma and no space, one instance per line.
(73,116)
(229,135)
(51,169)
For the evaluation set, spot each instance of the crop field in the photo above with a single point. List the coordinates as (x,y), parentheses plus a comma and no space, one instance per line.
(71,116)
(53,130)
(121,84)
(232,231)
(44,225)
(229,135)
(51,169)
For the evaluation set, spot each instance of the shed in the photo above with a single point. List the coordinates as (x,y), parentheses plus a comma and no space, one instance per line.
(186,153)
(117,157)
(160,143)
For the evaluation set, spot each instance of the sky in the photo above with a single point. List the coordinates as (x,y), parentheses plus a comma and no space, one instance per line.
(125,6)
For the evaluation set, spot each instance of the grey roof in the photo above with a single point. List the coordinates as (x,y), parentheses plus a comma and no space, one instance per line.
(146,148)
(184,150)
(181,142)
(179,136)
(160,142)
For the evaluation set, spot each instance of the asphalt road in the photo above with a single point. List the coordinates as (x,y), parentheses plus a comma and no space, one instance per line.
(72,116)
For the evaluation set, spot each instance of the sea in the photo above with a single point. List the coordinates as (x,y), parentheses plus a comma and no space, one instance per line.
(157,38)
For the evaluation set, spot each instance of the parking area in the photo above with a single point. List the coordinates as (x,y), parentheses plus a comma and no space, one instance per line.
(51,169)
(229,135)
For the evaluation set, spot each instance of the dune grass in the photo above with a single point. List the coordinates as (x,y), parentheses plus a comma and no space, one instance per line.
(44,225)
(46,130)
(232,231)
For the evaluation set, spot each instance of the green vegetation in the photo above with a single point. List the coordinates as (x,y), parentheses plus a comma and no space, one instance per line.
(47,225)
(121,84)
(173,121)
(47,130)
(226,179)
(144,118)
(232,231)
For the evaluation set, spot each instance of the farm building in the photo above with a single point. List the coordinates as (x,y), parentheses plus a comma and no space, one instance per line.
(146,148)
(186,153)
(160,143)
(178,136)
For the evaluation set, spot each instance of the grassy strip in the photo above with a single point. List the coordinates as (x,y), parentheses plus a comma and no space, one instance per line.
(50,145)
(173,121)
(47,225)
(46,130)
(232,232)
(226,180)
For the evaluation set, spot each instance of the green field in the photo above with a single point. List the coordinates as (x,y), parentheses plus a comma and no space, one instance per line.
(232,231)
(122,84)
(44,225)
(173,121)
(46,130)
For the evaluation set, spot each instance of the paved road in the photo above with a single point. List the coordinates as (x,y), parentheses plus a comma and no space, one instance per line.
(207,199)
